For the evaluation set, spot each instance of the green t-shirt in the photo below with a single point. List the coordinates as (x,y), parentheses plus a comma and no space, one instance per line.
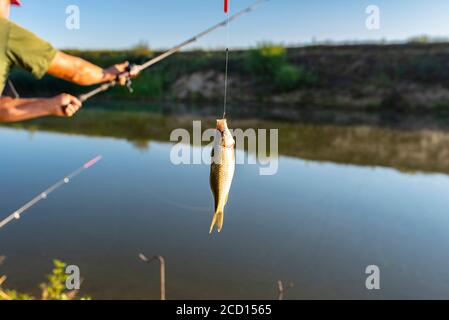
(20,47)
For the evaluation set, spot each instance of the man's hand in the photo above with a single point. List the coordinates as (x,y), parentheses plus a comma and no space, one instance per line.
(64,105)
(119,71)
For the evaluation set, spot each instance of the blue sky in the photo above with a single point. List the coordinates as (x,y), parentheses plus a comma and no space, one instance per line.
(163,23)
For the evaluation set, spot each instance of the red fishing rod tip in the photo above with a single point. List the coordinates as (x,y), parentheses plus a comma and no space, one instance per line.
(92,162)
(226,6)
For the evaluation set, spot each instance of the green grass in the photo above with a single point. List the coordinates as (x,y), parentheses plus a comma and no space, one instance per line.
(53,289)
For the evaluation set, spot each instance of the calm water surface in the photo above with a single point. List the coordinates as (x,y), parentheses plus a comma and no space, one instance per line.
(316,223)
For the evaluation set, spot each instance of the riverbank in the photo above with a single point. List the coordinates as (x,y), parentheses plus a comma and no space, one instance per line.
(401,77)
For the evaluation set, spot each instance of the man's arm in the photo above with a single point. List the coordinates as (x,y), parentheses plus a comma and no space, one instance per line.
(82,72)
(12,110)
(67,67)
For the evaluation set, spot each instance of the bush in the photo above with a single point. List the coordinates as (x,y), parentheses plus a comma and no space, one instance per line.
(54,289)
(422,39)
(266,60)
(289,77)
(148,84)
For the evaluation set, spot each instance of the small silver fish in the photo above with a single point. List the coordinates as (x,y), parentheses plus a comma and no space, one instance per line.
(221,171)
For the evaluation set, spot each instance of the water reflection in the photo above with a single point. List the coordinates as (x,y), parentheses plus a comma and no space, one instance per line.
(410,150)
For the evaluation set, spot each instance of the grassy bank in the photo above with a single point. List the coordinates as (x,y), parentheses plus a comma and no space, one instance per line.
(399,77)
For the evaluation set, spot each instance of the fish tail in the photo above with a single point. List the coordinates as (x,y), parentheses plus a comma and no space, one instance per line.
(217,220)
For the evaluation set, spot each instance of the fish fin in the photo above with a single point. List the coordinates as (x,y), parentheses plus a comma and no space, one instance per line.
(227,198)
(217,220)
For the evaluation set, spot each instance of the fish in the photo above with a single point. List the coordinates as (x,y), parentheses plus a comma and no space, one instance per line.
(221,171)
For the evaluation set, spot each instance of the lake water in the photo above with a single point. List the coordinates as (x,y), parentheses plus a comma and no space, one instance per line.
(343,198)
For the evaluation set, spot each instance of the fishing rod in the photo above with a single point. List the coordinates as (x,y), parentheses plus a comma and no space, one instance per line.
(146,65)
(16,214)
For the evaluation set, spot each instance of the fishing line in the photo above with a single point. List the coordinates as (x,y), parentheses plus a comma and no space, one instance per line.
(17,214)
(227,60)
(185,206)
